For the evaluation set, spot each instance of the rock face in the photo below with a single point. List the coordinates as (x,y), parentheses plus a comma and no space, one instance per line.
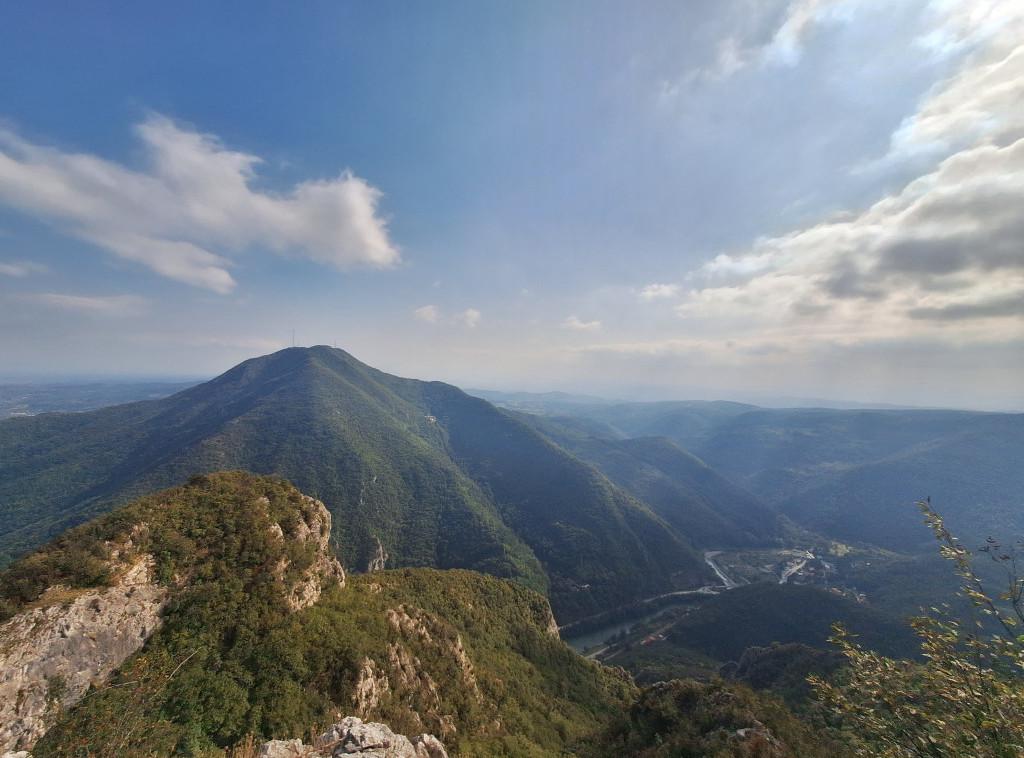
(51,653)
(379,561)
(68,639)
(351,736)
(315,527)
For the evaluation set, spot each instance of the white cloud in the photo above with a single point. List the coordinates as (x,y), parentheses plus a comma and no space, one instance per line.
(428,313)
(112,305)
(194,207)
(948,243)
(747,45)
(22,268)
(941,257)
(174,259)
(659,291)
(981,101)
(433,315)
(574,322)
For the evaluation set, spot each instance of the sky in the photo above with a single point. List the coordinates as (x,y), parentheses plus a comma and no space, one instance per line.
(740,199)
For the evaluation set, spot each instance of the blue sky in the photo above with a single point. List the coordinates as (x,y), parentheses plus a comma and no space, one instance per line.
(741,199)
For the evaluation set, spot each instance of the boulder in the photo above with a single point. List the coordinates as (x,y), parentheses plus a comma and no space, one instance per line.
(353,736)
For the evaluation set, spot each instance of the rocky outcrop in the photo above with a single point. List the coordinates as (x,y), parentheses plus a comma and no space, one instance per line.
(403,679)
(371,687)
(351,736)
(51,653)
(552,625)
(379,561)
(415,625)
(314,526)
(68,639)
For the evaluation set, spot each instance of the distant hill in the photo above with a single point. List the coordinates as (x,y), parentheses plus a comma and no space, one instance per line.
(682,489)
(29,399)
(415,474)
(851,474)
(760,614)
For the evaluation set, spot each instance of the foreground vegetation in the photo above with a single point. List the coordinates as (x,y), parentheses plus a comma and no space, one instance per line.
(474,659)
(967,700)
(470,658)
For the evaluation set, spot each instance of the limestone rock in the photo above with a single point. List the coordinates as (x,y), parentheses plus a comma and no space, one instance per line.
(379,561)
(371,686)
(314,526)
(51,653)
(285,749)
(352,736)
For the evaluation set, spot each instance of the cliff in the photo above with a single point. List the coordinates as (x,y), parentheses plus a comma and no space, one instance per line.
(51,654)
(65,637)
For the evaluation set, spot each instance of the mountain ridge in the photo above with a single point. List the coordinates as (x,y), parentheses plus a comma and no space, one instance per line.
(439,477)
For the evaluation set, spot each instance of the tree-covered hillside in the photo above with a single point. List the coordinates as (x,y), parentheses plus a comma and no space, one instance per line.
(759,614)
(468,657)
(418,471)
(851,474)
(712,511)
(234,659)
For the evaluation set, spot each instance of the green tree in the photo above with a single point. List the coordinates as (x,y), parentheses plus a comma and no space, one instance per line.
(966,700)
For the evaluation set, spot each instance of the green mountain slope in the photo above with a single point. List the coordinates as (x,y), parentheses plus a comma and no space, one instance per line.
(437,477)
(973,474)
(595,541)
(760,614)
(468,657)
(852,474)
(682,489)
(315,416)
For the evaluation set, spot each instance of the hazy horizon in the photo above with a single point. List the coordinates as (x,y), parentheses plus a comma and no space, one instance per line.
(641,394)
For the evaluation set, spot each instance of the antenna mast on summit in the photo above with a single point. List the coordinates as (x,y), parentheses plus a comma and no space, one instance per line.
(293,338)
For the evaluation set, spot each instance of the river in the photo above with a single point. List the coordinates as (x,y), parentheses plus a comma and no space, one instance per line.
(581,642)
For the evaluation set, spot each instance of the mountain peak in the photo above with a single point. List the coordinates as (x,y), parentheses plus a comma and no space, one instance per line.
(416,470)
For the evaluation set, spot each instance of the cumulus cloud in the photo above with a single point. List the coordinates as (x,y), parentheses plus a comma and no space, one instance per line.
(470,317)
(659,291)
(428,313)
(194,206)
(943,252)
(981,101)
(574,322)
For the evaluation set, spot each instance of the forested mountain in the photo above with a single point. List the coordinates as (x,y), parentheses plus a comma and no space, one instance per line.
(678,486)
(851,474)
(417,471)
